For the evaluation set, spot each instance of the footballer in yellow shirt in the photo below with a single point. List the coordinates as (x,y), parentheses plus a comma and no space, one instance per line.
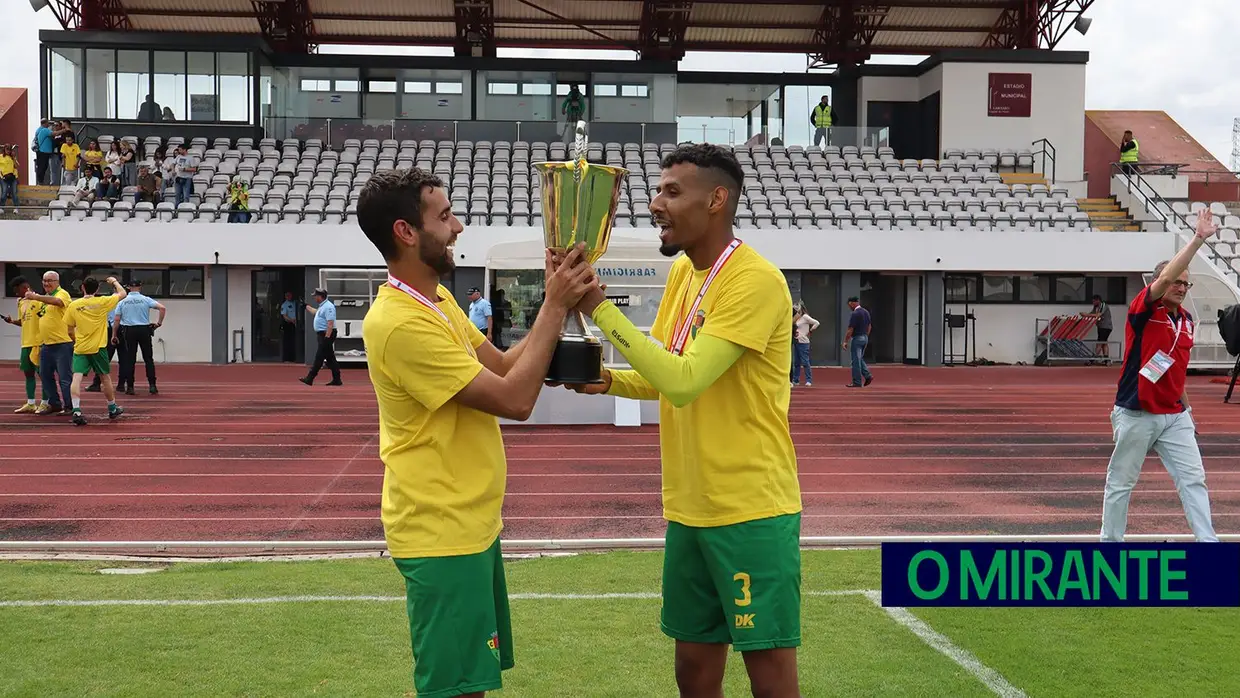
(87,321)
(28,312)
(55,346)
(441,387)
(732,561)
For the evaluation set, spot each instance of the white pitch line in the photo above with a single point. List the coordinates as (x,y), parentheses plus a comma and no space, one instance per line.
(36,603)
(943,644)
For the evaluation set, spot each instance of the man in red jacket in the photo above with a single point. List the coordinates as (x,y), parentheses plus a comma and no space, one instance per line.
(1151,405)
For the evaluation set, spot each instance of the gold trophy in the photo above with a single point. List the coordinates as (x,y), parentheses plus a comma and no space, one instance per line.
(579,201)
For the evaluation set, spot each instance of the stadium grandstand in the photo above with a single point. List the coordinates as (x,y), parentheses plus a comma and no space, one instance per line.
(929,178)
(210,154)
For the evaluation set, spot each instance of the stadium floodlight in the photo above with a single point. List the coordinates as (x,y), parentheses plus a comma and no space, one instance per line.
(38,4)
(1081,24)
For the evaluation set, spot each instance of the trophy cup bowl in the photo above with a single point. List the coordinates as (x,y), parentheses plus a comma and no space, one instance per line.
(579,202)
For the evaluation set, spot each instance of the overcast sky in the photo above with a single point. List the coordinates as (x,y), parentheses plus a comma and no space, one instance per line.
(1144,54)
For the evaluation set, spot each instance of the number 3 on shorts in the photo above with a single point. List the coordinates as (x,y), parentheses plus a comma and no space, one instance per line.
(746,598)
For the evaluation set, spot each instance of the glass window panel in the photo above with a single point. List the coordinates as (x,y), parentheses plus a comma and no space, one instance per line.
(185,281)
(386,86)
(100,83)
(960,289)
(67,71)
(634,90)
(348,86)
(997,289)
(1070,289)
(1035,289)
(450,88)
(170,92)
(536,88)
(236,88)
(133,82)
(201,86)
(502,88)
(417,88)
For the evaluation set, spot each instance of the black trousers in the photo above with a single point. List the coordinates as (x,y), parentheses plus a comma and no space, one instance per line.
(134,337)
(288,340)
(326,354)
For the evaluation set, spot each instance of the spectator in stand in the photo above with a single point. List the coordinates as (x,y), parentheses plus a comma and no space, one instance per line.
(43,147)
(92,156)
(128,171)
(1129,153)
(114,156)
(184,166)
(69,153)
(60,131)
(109,187)
(803,325)
(238,200)
(573,109)
(8,175)
(148,186)
(149,110)
(1102,311)
(859,326)
(168,115)
(87,187)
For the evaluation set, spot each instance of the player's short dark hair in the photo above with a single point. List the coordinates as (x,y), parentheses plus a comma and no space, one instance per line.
(17,282)
(90,284)
(854,299)
(390,196)
(718,160)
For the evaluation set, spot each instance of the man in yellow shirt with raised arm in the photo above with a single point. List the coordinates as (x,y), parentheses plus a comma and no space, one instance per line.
(87,320)
(441,386)
(732,565)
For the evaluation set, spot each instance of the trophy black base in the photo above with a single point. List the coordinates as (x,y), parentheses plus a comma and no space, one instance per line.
(576,362)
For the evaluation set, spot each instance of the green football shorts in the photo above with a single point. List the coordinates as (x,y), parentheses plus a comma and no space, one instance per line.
(97,362)
(738,584)
(458,622)
(29,360)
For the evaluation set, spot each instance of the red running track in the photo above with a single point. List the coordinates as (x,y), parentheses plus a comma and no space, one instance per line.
(248,453)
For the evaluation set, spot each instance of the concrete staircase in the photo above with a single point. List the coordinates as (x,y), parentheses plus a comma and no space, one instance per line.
(34,201)
(1107,214)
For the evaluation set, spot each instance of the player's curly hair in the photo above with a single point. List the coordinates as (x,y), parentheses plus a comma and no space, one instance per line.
(715,160)
(389,196)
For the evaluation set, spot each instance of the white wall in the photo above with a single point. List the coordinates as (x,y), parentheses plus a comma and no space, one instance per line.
(240,310)
(1056,113)
(1005,332)
(184,337)
(884,89)
(21,242)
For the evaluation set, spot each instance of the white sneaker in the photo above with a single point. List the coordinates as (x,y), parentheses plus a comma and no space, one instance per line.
(808,384)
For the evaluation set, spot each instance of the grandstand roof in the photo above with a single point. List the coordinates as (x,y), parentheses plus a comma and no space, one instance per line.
(833,30)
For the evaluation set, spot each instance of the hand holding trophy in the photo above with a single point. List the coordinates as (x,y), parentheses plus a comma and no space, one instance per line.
(579,202)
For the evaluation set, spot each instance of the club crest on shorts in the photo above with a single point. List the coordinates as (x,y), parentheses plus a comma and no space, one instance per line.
(698,321)
(493,645)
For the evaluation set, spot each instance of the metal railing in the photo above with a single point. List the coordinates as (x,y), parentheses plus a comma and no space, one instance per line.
(1047,151)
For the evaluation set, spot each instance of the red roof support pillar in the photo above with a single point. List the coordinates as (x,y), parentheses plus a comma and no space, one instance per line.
(287,25)
(661,32)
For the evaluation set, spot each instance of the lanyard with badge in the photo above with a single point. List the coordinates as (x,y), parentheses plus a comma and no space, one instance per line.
(417,296)
(1161,361)
(680,335)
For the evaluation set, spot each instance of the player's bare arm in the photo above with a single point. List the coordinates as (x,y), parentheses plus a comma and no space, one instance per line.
(513,394)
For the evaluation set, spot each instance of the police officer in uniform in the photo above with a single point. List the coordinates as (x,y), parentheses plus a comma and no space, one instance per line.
(325,328)
(137,330)
(288,328)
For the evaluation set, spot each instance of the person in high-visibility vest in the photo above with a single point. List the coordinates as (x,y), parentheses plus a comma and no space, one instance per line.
(1129,153)
(821,117)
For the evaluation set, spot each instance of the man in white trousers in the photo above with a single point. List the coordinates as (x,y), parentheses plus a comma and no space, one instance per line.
(1151,405)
